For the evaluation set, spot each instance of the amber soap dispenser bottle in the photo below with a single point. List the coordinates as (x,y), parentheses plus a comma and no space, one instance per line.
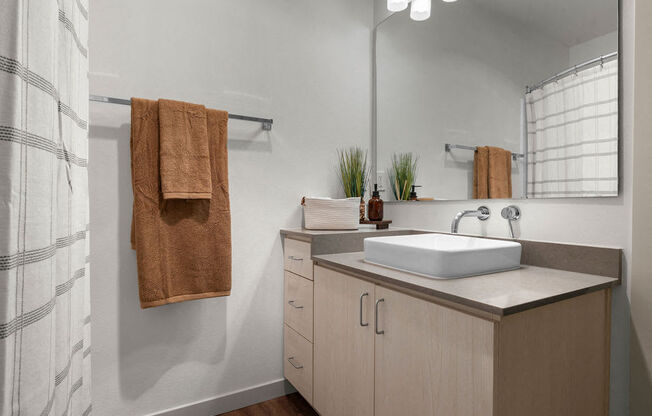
(375,206)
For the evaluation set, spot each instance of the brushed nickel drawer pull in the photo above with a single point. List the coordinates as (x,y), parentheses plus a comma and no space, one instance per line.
(295,258)
(297,366)
(377,331)
(361,297)
(291,303)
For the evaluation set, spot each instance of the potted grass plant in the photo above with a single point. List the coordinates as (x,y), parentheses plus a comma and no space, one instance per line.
(402,175)
(354,174)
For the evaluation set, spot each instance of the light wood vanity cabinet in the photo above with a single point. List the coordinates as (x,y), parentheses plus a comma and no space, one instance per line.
(364,348)
(421,358)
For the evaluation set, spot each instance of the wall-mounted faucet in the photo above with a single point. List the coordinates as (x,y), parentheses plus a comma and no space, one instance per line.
(482,213)
(511,213)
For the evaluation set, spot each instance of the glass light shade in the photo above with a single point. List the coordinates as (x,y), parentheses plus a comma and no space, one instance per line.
(397,5)
(420,10)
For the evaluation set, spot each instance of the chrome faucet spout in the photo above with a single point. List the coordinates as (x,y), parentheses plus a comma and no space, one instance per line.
(458,217)
(482,213)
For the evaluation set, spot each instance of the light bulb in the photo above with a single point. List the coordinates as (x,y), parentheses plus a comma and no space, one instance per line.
(397,5)
(420,10)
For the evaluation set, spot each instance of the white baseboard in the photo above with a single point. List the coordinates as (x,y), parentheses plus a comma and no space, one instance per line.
(232,401)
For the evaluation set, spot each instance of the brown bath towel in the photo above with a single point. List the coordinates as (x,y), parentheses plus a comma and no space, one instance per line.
(183,246)
(492,173)
(185,162)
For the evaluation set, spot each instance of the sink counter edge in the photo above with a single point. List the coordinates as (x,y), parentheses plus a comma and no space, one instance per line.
(500,294)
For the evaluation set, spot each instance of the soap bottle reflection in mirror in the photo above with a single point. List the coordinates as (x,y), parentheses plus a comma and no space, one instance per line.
(375,206)
(413,194)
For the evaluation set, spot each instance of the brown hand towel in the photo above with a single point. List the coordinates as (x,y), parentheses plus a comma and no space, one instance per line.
(480,173)
(185,162)
(492,173)
(500,173)
(183,247)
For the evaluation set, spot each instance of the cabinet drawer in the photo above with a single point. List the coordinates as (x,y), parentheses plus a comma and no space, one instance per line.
(297,258)
(298,304)
(297,362)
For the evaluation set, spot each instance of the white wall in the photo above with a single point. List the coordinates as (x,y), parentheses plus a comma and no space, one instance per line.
(458,77)
(604,221)
(380,11)
(304,63)
(593,48)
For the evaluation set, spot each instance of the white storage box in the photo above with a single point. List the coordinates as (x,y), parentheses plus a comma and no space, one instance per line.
(331,214)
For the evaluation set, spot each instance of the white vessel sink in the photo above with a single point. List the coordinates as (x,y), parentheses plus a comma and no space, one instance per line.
(443,255)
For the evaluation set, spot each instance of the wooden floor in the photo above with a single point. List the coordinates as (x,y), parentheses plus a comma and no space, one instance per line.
(290,405)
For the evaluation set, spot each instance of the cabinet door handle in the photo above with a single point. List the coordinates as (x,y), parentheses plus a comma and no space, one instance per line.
(297,366)
(361,297)
(295,258)
(291,303)
(377,331)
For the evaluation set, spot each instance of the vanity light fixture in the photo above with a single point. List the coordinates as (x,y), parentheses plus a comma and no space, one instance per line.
(420,10)
(397,5)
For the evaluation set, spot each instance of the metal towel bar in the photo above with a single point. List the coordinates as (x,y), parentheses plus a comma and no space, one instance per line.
(448,147)
(266,122)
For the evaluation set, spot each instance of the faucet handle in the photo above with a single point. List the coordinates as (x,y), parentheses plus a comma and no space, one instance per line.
(511,213)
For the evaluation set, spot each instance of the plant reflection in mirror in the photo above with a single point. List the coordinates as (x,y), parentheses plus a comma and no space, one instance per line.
(402,174)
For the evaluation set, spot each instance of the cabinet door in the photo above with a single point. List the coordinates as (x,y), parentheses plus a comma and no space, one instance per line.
(343,346)
(431,360)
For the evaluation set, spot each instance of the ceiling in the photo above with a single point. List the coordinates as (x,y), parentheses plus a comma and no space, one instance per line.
(568,21)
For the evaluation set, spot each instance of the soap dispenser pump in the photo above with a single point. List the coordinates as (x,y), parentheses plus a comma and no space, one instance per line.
(413,194)
(375,206)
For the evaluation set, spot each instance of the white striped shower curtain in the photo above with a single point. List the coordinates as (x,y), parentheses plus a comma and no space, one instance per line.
(44,270)
(572,135)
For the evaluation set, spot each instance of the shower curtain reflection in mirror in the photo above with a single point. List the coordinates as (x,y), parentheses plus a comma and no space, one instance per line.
(572,132)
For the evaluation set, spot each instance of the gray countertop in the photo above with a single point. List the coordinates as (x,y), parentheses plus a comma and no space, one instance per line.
(366,230)
(501,294)
(338,241)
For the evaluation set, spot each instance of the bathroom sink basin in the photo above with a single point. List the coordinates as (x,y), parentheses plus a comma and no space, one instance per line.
(443,255)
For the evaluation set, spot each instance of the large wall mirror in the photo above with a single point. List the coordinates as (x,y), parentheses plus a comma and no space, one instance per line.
(499,99)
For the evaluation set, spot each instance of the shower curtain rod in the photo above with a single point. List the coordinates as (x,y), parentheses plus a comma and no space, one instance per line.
(266,122)
(584,65)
